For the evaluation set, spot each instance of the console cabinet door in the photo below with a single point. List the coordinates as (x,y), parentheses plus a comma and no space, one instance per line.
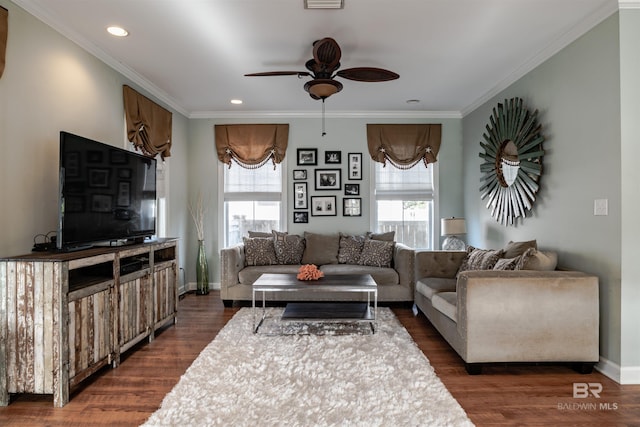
(135,310)
(165,293)
(90,332)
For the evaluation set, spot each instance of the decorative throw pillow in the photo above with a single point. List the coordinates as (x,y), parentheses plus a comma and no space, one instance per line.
(350,249)
(389,236)
(533,259)
(480,259)
(377,253)
(515,249)
(321,248)
(259,251)
(507,264)
(289,247)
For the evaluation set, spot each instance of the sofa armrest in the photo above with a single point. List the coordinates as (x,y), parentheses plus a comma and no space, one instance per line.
(444,264)
(232,260)
(403,263)
(528,315)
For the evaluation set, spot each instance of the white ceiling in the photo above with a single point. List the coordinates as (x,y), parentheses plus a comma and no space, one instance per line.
(450,54)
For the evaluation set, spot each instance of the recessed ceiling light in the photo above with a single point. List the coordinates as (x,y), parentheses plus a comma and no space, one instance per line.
(117,31)
(413,101)
(236,101)
(323,4)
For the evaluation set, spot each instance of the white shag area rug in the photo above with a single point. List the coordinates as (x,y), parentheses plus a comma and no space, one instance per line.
(247,379)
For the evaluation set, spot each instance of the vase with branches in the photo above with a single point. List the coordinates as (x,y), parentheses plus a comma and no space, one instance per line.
(197,209)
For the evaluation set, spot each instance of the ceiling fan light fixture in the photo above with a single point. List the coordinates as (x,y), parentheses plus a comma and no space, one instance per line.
(322,88)
(324,4)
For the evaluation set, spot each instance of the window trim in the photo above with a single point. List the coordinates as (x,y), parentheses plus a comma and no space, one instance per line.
(284,198)
(435,196)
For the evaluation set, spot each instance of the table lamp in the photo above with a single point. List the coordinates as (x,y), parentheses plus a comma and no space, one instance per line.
(451,228)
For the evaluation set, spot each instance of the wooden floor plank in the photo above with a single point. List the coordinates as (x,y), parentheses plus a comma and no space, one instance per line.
(524,395)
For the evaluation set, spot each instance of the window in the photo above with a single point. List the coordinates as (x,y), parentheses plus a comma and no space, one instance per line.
(404,203)
(253,201)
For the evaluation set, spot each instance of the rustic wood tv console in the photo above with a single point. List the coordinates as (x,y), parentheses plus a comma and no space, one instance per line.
(63,316)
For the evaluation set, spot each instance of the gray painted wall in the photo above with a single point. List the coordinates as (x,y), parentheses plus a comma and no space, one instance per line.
(344,134)
(577,93)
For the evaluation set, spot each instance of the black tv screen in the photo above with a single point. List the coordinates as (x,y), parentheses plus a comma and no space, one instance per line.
(107,194)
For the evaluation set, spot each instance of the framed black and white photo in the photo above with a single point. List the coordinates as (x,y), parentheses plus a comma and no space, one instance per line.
(124,193)
(101,203)
(351,189)
(328,179)
(355,166)
(333,157)
(323,206)
(352,206)
(300,195)
(301,217)
(98,178)
(299,174)
(307,156)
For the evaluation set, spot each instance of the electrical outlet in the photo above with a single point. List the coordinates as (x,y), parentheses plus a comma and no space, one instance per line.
(601,207)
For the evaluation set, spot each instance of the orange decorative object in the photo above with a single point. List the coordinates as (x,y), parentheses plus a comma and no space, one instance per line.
(309,272)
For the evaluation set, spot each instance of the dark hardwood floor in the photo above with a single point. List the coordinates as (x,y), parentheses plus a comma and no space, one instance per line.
(524,395)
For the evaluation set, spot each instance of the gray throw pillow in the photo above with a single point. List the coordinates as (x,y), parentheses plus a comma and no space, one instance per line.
(515,249)
(321,248)
(389,236)
(377,253)
(350,249)
(289,247)
(259,234)
(259,251)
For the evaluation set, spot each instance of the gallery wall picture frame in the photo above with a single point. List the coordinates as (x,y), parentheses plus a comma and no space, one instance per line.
(299,174)
(98,178)
(323,206)
(307,156)
(124,193)
(328,179)
(101,203)
(355,166)
(333,157)
(300,217)
(351,189)
(352,206)
(300,195)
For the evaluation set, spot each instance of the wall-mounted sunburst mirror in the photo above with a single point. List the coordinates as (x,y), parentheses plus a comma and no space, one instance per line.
(512,161)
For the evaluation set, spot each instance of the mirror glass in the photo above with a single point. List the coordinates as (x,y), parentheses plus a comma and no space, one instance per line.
(508,164)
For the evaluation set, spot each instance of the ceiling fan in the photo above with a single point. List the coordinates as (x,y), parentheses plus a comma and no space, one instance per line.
(323,68)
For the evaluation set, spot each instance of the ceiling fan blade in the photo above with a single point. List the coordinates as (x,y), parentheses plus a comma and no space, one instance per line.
(327,52)
(367,74)
(279,73)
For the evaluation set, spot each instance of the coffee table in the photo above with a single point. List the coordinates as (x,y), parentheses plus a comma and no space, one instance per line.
(315,310)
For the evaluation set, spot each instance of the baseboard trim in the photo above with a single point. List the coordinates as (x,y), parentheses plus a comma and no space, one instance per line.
(621,375)
(192,286)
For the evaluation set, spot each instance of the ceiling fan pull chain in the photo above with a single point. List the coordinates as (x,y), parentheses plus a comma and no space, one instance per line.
(323,132)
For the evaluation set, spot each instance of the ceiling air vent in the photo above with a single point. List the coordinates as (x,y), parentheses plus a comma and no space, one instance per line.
(323,4)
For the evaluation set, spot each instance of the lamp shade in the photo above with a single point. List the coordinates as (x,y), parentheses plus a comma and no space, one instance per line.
(452,226)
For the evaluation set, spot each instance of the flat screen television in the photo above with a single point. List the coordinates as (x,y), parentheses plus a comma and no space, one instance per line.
(107,195)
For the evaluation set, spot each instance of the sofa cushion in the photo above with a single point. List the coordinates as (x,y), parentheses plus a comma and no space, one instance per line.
(248,275)
(480,259)
(259,251)
(259,234)
(350,249)
(321,248)
(533,259)
(381,275)
(446,303)
(429,286)
(515,249)
(289,247)
(389,236)
(377,253)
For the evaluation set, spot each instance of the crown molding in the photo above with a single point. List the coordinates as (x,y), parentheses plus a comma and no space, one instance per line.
(629,4)
(330,115)
(560,43)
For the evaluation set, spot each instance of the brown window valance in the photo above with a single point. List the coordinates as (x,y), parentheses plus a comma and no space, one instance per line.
(251,146)
(4,31)
(148,124)
(404,145)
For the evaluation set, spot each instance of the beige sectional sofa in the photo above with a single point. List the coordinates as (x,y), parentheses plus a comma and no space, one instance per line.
(511,315)
(391,264)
